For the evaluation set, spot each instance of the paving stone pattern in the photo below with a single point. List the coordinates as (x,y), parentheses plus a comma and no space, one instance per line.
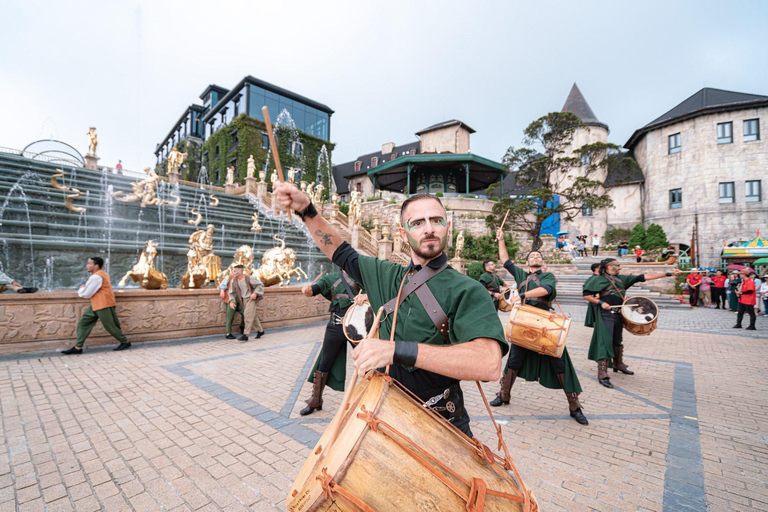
(213,424)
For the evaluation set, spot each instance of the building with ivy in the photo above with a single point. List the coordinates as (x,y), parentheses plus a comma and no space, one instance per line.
(229,127)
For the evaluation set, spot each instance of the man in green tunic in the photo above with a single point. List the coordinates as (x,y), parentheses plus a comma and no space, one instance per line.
(491,281)
(458,335)
(330,367)
(538,289)
(602,292)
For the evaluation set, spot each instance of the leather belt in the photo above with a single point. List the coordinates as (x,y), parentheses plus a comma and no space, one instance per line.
(336,319)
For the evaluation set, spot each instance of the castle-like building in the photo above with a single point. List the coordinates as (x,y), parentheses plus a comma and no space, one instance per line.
(702,167)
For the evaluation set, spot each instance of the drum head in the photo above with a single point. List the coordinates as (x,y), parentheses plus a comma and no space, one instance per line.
(640,310)
(510,295)
(358,322)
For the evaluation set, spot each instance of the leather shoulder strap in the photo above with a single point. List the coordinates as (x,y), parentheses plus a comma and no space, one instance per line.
(426,297)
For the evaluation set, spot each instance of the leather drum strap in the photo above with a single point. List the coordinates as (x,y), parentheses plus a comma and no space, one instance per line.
(426,297)
(532,277)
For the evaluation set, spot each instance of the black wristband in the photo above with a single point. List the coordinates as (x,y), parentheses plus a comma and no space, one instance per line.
(669,274)
(310,211)
(600,302)
(522,296)
(406,352)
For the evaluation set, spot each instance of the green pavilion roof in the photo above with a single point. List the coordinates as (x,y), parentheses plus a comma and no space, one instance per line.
(393,175)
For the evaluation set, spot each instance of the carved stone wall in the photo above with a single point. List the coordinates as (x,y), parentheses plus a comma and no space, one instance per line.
(47,321)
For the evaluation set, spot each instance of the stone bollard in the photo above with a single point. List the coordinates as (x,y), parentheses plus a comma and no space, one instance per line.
(250,186)
(385,249)
(173,177)
(376,233)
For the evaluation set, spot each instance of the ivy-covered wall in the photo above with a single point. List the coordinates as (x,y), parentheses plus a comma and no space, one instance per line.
(235,142)
(190,171)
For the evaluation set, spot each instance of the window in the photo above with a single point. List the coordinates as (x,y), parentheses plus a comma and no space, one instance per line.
(412,151)
(393,156)
(358,165)
(724,133)
(374,161)
(359,187)
(753,191)
(586,159)
(234,140)
(726,192)
(674,143)
(217,153)
(752,129)
(297,149)
(264,141)
(676,198)
(586,211)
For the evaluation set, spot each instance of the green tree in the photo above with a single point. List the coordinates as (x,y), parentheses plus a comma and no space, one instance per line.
(475,270)
(655,238)
(556,183)
(637,237)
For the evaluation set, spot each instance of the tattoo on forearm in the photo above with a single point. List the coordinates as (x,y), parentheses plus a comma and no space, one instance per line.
(325,238)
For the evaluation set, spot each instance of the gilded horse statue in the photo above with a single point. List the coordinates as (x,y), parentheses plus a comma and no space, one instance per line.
(144,272)
(277,266)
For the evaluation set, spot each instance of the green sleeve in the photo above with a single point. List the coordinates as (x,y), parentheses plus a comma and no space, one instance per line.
(596,284)
(628,280)
(475,316)
(381,279)
(548,278)
(325,284)
(518,273)
(485,279)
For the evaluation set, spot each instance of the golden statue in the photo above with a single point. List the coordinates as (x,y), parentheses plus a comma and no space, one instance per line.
(319,193)
(196,275)
(201,242)
(291,175)
(94,141)
(310,189)
(68,200)
(251,167)
(459,245)
(274,179)
(144,272)
(230,175)
(198,217)
(145,191)
(175,160)
(256,226)
(277,266)
(214,201)
(303,186)
(244,257)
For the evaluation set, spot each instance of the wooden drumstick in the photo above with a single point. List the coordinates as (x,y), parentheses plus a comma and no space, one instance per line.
(504,220)
(275,154)
(317,278)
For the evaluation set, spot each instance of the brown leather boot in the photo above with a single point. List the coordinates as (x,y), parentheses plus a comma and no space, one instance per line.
(315,402)
(502,397)
(602,373)
(618,361)
(573,403)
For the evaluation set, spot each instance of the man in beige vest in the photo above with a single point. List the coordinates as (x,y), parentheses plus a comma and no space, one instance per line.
(98,288)
(245,291)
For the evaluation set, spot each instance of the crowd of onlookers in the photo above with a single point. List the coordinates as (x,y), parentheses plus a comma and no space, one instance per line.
(741,291)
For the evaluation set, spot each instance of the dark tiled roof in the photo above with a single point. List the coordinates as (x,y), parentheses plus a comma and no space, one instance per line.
(623,170)
(342,171)
(576,104)
(213,87)
(706,101)
(444,124)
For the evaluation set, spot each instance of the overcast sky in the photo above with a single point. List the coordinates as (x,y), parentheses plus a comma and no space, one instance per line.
(388,69)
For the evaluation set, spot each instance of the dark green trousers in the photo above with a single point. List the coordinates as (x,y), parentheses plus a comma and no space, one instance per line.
(108,319)
(231,315)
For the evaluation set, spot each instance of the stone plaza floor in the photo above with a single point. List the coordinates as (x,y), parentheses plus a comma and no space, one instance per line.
(213,424)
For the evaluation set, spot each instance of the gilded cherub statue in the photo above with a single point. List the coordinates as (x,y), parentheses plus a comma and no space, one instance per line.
(256,226)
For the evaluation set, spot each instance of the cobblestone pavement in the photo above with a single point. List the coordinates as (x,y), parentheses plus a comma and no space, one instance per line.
(213,424)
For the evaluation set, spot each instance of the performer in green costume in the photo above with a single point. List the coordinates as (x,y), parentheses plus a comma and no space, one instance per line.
(538,289)
(603,291)
(331,364)
(492,282)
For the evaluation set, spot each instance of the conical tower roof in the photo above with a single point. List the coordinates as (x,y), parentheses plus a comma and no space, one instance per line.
(576,104)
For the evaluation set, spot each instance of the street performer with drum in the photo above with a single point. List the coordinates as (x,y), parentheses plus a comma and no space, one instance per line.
(331,365)
(538,289)
(447,328)
(604,292)
(492,282)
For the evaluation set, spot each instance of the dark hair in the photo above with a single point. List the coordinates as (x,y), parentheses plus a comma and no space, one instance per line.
(531,252)
(594,266)
(604,264)
(239,266)
(98,260)
(487,262)
(417,197)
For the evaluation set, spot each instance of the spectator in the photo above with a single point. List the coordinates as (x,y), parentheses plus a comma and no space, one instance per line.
(595,269)
(694,281)
(718,289)
(705,290)
(733,287)
(639,253)
(747,299)
(119,167)
(758,285)
(623,248)
(581,247)
(595,244)
(764,296)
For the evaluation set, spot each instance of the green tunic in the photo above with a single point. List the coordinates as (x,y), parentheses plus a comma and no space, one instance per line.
(491,281)
(537,367)
(601,346)
(325,287)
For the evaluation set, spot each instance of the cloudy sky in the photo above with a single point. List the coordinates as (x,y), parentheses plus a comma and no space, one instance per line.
(388,69)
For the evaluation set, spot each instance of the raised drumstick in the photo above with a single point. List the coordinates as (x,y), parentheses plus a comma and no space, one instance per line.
(275,154)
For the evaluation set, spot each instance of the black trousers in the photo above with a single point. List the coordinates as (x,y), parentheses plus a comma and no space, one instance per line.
(693,296)
(615,327)
(750,310)
(332,342)
(517,357)
(595,249)
(718,296)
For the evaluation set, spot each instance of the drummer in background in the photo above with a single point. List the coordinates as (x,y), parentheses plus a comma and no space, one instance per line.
(492,282)
(603,291)
(331,364)
(595,267)
(426,361)
(537,288)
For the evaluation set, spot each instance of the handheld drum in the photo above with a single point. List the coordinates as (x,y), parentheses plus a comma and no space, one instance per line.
(508,297)
(357,322)
(639,315)
(536,329)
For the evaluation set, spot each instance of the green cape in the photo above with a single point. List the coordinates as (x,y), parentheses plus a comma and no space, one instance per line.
(536,367)
(338,373)
(601,346)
